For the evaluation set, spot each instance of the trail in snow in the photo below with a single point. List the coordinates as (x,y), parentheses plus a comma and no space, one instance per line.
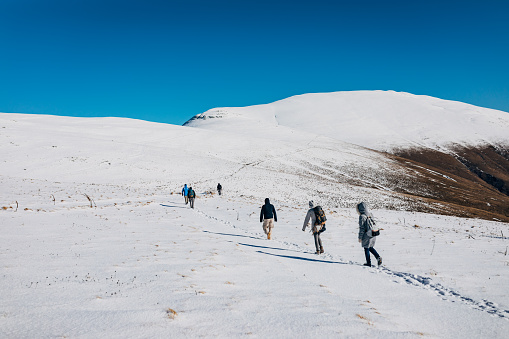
(419,281)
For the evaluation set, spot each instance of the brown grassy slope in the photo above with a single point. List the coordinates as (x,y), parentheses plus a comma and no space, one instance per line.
(472,181)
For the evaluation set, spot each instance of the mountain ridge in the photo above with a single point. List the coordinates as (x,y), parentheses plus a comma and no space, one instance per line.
(381,120)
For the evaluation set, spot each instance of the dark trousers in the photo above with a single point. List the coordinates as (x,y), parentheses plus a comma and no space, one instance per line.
(368,257)
(318,241)
(191,202)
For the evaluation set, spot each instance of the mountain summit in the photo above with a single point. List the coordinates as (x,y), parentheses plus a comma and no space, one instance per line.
(381,120)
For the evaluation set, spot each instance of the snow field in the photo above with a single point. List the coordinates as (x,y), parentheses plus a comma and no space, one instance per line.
(134,261)
(117,270)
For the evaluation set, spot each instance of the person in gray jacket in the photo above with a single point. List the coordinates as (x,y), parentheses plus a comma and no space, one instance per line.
(316,229)
(367,241)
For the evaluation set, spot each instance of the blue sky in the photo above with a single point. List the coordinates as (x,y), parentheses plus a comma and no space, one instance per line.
(166,61)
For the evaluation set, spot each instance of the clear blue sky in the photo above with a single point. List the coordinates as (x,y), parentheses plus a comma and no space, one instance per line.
(166,61)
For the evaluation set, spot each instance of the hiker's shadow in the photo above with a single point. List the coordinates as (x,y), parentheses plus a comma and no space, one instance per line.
(270,248)
(304,259)
(173,206)
(233,235)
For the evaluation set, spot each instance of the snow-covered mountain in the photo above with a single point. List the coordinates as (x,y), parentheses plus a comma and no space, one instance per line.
(452,138)
(380,120)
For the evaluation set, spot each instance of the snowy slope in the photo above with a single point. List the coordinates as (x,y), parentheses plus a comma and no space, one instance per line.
(121,151)
(381,120)
(144,265)
(134,261)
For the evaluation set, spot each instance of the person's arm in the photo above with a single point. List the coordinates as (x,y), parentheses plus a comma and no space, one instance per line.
(261,214)
(275,215)
(362,219)
(306,221)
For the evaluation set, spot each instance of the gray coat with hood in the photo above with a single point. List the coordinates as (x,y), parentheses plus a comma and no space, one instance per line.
(367,241)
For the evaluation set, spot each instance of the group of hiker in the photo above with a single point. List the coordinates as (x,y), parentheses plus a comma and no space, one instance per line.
(189,195)
(315,219)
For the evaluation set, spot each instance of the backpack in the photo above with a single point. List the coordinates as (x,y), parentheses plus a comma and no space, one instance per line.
(191,194)
(320,216)
(373,230)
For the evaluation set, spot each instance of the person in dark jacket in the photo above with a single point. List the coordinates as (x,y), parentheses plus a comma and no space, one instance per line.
(268,216)
(191,195)
(219,188)
(367,241)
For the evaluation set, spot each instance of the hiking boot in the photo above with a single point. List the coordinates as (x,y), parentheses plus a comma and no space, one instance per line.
(317,252)
(321,249)
(366,264)
(269,235)
(379,260)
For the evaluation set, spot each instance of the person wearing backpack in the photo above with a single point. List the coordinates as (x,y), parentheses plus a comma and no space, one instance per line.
(185,191)
(317,217)
(268,216)
(219,188)
(366,237)
(191,195)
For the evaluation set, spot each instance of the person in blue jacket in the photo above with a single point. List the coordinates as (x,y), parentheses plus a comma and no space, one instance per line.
(185,191)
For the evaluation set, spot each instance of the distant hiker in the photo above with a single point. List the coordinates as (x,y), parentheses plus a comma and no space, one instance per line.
(219,188)
(365,234)
(268,216)
(185,191)
(191,195)
(317,217)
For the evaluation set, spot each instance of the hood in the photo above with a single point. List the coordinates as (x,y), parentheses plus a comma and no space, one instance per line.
(267,201)
(362,208)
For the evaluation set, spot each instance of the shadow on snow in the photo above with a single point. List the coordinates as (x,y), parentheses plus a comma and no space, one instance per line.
(233,235)
(304,259)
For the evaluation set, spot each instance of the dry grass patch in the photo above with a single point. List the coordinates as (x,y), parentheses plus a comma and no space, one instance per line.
(172,314)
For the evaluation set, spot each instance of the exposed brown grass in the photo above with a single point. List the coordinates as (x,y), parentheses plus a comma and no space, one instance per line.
(172,314)
(473,183)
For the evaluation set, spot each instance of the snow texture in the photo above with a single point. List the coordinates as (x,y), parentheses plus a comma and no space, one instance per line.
(98,243)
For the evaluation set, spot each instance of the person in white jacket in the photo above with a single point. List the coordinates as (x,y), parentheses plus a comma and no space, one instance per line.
(316,229)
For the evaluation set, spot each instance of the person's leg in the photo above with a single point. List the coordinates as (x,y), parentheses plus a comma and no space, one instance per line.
(368,258)
(320,243)
(377,256)
(271,226)
(266,226)
(317,242)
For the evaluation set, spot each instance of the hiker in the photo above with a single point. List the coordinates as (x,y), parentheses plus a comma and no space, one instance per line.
(191,195)
(219,188)
(268,216)
(317,217)
(365,238)
(185,190)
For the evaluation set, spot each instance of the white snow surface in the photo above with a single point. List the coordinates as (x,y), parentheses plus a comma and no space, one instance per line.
(380,120)
(135,262)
